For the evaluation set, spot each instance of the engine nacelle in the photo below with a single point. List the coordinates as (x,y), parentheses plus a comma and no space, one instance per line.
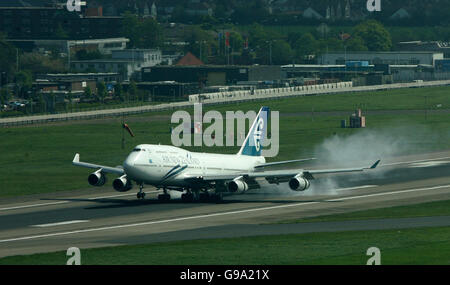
(298,183)
(122,184)
(237,186)
(97,178)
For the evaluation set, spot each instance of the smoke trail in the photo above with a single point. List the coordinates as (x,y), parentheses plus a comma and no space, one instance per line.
(360,149)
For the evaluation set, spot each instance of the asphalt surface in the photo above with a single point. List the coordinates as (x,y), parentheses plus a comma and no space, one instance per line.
(101,217)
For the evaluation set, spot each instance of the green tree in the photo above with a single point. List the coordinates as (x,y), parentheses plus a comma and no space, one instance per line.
(306,45)
(130,29)
(145,33)
(151,34)
(24,81)
(118,92)
(87,92)
(61,33)
(70,98)
(4,96)
(38,63)
(201,43)
(356,44)
(42,103)
(7,57)
(236,42)
(132,90)
(374,35)
(281,52)
(101,91)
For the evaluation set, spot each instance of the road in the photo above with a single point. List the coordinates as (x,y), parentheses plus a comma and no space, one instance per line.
(101,217)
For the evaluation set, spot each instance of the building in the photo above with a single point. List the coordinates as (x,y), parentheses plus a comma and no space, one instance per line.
(104,46)
(128,63)
(55,22)
(210,75)
(97,77)
(198,9)
(189,60)
(392,58)
(167,90)
(431,46)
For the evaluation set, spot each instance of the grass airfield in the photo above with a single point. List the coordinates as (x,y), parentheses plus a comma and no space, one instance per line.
(37,159)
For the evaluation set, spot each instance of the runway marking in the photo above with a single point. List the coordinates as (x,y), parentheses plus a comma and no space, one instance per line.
(428,164)
(357,187)
(120,195)
(415,161)
(214,215)
(34,205)
(388,193)
(60,224)
(64,202)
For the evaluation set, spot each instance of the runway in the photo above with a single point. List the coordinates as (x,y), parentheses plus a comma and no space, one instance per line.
(102,217)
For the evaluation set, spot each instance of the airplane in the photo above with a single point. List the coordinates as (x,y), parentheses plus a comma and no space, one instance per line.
(205,176)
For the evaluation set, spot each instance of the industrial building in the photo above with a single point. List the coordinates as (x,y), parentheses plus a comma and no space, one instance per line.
(211,75)
(432,46)
(127,63)
(167,90)
(54,22)
(105,77)
(391,58)
(104,46)
(375,69)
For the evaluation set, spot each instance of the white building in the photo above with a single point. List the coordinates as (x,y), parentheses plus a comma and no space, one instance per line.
(392,58)
(104,46)
(126,62)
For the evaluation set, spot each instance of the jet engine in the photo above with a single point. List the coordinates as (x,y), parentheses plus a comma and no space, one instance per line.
(122,184)
(237,186)
(298,183)
(97,178)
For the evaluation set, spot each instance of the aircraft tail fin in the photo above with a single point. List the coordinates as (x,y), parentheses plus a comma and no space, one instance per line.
(253,142)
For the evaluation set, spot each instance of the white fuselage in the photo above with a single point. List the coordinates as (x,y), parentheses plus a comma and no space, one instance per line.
(163,165)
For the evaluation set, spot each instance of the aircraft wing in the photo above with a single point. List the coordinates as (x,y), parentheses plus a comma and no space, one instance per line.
(278,175)
(108,169)
(283,162)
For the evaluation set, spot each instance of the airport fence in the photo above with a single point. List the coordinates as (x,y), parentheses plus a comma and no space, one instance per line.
(216,98)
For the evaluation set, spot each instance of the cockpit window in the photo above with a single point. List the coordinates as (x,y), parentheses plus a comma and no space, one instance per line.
(138,149)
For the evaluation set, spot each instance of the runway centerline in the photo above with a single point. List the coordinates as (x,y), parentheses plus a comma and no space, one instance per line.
(217,214)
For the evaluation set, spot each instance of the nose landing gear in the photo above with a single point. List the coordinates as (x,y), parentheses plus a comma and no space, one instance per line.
(140,194)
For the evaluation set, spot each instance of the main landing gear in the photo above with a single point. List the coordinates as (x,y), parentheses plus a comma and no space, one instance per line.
(164,197)
(203,197)
(140,194)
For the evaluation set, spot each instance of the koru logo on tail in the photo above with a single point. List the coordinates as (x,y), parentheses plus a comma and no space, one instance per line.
(258,134)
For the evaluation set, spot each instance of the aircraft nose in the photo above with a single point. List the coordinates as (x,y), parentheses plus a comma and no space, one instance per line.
(129,162)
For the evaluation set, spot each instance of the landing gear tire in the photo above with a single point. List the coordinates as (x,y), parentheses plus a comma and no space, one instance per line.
(187,198)
(140,195)
(204,197)
(164,197)
(217,198)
